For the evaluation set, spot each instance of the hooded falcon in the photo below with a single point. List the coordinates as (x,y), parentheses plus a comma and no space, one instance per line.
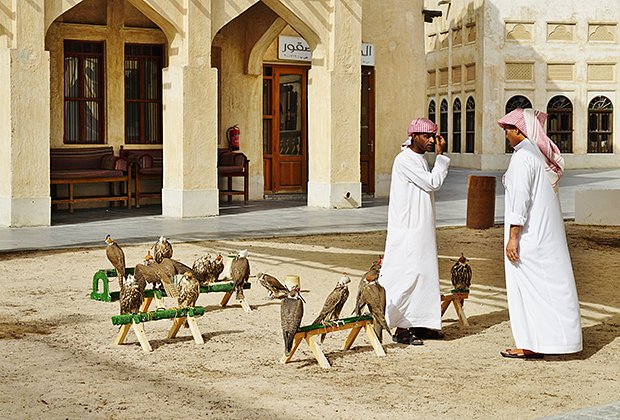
(373,295)
(461,274)
(117,257)
(240,272)
(335,301)
(163,249)
(371,275)
(189,290)
(291,313)
(276,289)
(132,295)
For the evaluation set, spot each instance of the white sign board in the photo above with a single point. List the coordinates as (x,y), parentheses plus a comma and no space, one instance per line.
(296,48)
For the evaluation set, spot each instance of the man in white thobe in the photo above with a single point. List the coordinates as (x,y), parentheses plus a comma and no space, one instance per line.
(542,297)
(409,272)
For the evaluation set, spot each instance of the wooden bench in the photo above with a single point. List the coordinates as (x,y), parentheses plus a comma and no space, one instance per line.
(88,165)
(136,321)
(146,164)
(355,324)
(231,165)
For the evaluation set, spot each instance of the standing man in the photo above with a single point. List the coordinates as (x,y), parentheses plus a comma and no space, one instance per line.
(542,297)
(410,272)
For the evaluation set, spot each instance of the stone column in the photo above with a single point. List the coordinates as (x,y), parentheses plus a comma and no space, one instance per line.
(25,121)
(190,121)
(334,112)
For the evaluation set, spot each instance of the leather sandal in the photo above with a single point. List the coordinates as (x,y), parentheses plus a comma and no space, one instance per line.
(521,354)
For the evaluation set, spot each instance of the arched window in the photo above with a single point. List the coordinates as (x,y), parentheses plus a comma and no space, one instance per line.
(518,101)
(560,122)
(600,117)
(456,126)
(470,125)
(432,113)
(443,120)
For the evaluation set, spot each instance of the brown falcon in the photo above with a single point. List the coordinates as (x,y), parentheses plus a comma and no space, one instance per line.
(207,270)
(132,295)
(117,257)
(371,275)
(461,275)
(291,313)
(373,296)
(163,249)
(189,290)
(335,301)
(276,289)
(240,272)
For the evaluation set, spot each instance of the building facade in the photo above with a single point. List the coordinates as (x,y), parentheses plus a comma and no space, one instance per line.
(177,74)
(487,57)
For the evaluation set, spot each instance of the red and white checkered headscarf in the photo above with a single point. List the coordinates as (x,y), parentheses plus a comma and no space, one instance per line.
(530,122)
(419,125)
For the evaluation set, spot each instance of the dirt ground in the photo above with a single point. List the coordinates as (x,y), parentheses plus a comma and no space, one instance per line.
(58,360)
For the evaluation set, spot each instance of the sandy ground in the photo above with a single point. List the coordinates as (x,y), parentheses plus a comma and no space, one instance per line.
(58,360)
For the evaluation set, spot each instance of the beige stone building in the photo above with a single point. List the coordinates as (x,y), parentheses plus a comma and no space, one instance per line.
(487,57)
(321,91)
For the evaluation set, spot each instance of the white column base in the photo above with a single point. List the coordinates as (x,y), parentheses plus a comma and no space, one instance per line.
(190,203)
(340,196)
(23,212)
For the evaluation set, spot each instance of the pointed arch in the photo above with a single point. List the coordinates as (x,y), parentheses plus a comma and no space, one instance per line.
(254,64)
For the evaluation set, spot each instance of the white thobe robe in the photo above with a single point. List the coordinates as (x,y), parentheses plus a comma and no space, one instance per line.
(410,272)
(542,297)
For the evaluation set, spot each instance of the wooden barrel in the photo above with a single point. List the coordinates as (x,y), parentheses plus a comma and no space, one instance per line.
(480,202)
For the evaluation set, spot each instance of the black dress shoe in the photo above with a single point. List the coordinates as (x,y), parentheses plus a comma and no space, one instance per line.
(426,333)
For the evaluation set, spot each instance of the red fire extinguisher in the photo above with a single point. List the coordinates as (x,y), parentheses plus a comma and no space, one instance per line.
(232,134)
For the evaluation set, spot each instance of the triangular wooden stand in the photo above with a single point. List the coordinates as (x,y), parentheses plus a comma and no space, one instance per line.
(458,300)
(355,324)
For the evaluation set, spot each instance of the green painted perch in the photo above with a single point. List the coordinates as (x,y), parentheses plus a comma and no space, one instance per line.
(156,315)
(340,322)
(105,295)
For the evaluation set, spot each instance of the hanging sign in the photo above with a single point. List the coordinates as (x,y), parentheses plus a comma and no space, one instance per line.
(296,48)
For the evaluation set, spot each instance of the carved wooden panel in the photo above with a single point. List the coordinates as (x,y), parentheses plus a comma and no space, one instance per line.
(520,71)
(457,37)
(456,74)
(470,72)
(601,72)
(471,33)
(560,71)
(560,31)
(444,40)
(432,78)
(431,44)
(443,77)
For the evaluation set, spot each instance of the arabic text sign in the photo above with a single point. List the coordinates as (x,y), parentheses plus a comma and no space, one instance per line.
(296,48)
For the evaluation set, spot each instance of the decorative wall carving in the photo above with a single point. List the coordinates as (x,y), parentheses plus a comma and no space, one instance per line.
(471,33)
(456,74)
(564,71)
(520,71)
(470,72)
(457,37)
(519,31)
(432,78)
(601,72)
(444,40)
(431,42)
(560,31)
(602,32)
(443,77)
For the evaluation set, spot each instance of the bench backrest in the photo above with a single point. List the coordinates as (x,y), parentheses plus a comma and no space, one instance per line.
(226,157)
(146,158)
(68,158)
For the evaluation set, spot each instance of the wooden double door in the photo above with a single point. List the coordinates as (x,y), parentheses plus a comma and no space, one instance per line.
(285,140)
